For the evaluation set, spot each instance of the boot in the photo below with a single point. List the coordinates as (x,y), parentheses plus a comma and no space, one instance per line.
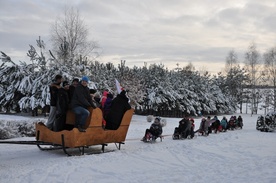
(81,129)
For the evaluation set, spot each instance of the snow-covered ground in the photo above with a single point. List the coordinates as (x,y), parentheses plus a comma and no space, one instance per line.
(238,156)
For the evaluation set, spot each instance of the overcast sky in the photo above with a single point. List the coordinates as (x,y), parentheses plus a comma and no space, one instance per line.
(154,31)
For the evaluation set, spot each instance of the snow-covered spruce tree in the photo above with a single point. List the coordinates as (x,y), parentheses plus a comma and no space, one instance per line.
(154,81)
(181,91)
(11,78)
(135,84)
(224,103)
(103,75)
(131,80)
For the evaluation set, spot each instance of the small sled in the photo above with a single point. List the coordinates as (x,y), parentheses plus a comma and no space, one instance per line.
(149,138)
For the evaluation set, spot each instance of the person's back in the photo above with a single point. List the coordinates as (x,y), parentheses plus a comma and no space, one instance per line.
(239,122)
(118,108)
(231,123)
(203,128)
(223,123)
(215,124)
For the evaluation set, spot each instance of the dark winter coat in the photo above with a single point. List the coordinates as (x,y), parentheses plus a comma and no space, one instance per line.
(62,107)
(156,129)
(118,108)
(62,101)
(82,98)
(215,123)
(184,125)
(239,121)
(54,87)
(71,92)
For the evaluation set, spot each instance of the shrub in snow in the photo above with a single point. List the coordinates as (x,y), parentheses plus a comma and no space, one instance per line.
(7,130)
(150,118)
(26,129)
(12,129)
(6,133)
(266,123)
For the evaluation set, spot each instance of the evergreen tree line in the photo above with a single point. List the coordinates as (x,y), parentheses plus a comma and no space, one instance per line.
(152,89)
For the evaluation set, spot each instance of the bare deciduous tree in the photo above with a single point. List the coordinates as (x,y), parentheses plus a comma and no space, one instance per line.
(69,36)
(252,61)
(231,60)
(270,68)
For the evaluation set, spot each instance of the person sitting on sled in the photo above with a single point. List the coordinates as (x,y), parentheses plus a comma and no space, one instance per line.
(203,128)
(192,132)
(239,122)
(154,131)
(183,129)
(224,124)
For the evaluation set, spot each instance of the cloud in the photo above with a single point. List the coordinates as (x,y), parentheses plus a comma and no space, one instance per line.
(149,31)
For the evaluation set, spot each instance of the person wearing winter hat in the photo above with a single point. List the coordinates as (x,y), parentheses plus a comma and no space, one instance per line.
(80,102)
(54,87)
(85,78)
(65,84)
(154,130)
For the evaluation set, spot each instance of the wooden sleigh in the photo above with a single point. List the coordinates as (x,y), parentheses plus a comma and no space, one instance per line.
(94,135)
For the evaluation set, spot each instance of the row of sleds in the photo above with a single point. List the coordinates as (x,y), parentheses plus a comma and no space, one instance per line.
(186,128)
(206,127)
(266,123)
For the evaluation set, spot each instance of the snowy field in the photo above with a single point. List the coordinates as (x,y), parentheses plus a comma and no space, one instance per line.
(238,156)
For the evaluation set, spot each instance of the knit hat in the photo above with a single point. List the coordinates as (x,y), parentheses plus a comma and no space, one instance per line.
(65,83)
(85,78)
(76,80)
(158,119)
